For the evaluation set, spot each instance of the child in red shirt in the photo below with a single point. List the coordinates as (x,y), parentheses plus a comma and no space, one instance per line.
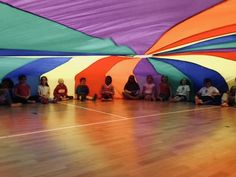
(22,91)
(60,92)
(164,90)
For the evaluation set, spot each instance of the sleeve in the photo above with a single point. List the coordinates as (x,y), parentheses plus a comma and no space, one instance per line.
(125,87)
(29,90)
(77,89)
(113,90)
(87,90)
(216,90)
(48,91)
(39,90)
(55,91)
(187,88)
(200,91)
(178,89)
(66,91)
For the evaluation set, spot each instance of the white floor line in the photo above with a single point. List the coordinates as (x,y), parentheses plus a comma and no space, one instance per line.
(60,128)
(98,123)
(94,110)
(175,112)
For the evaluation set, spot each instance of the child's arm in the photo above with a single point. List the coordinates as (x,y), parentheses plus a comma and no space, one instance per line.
(48,92)
(39,91)
(16,93)
(112,90)
(87,90)
(153,90)
(55,91)
(158,91)
(144,89)
(171,94)
(66,91)
(29,93)
(188,95)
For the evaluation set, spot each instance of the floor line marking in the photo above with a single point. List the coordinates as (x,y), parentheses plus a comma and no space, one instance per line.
(94,110)
(96,123)
(175,112)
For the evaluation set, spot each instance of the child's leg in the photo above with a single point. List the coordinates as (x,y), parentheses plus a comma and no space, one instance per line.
(176,99)
(198,101)
(148,97)
(231,100)
(128,96)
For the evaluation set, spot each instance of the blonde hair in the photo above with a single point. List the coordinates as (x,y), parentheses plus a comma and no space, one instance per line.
(60,81)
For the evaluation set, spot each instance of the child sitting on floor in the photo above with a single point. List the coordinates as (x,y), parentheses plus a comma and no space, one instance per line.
(22,91)
(183,90)
(229,98)
(208,94)
(44,90)
(82,90)
(107,89)
(148,91)
(131,89)
(164,90)
(60,92)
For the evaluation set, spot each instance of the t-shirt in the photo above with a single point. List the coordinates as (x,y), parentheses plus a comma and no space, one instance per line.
(149,88)
(82,89)
(204,91)
(43,91)
(232,90)
(107,88)
(164,89)
(131,86)
(183,90)
(61,90)
(22,90)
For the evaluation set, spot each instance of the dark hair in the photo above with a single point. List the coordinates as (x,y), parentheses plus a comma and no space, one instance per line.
(187,81)
(44,77)
(108,80)
(163,76)
(82,79)
(7,83)
(21,77)
(207,80)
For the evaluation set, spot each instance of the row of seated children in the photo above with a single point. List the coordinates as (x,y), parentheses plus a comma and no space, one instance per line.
(107,90)
(211,95)
(21,91)
(208,94)
(15,95)
(164,93)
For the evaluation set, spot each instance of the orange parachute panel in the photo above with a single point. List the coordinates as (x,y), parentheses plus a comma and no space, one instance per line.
(208,34)
(205,21)
(225,55)
(95,74)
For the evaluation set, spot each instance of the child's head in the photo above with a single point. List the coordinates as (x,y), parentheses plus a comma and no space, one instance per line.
(44,81)
(164,78)
(108,80)
(207,82)
(60,81)
(149,79)
(183,81)
(22,79)
(131,79)
(82,80)
(7,83)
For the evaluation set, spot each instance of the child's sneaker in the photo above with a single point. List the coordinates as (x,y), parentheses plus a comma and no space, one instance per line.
(224,104)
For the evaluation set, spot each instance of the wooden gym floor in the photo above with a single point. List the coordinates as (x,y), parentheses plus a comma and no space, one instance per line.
(117,139)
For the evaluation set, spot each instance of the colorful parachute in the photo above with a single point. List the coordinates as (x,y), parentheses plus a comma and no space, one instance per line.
(92,39)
